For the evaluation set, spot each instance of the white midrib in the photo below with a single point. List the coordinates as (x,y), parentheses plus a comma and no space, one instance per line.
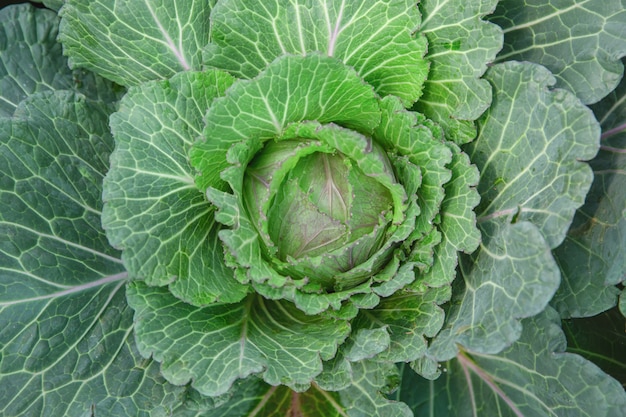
(76,289)
(545,18)
(332,39)
(176,50)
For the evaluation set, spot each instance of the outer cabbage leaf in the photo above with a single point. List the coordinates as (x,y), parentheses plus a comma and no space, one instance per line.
(529,151)
(460,45)
(376,38)
(66,330)
(513,276)
(579,41)
(215,345)
(134,41)
(365,396)
(31,60)
(534,378)
(593,256)
(254,398)
(153,209)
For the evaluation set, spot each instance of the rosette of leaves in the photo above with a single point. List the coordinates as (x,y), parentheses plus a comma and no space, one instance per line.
(247,128)
(317,206)
(292,200)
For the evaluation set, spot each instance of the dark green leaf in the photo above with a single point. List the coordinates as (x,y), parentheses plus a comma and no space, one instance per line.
(529,150)
(532,378)
(512,276)
(31,60)
(65,328)
(579,41)
(593,256)
(600,339)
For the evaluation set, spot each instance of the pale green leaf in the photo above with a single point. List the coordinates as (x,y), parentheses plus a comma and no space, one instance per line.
(460,46)
(512,276)
(409,134)
(31,60)
(457,221)
(593,256)
(376,38)
(292,89)
(132,41)
(529,150)
(153,209)
(65,327)
(579,41)
(532,378)
(216,345)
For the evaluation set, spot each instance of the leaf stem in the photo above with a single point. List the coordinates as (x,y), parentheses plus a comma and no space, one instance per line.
(467,364)
(613,131)
(102,281)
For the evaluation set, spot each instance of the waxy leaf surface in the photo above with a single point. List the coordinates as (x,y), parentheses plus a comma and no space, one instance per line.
(65,328)
(579,41)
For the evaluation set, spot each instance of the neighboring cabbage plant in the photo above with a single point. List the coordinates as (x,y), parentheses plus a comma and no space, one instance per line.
(307,208)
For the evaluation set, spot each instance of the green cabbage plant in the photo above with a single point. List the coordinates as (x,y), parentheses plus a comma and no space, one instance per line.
(313,208)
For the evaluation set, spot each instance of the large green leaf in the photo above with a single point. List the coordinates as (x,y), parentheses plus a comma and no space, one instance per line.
(580,41)
(532,378)
(529,151)
(132,41)
(65,327)
(376,38)
(216,345)
(31,59)
(512,276)
(593,256)
(153,209)
(370,382)
(460,46)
